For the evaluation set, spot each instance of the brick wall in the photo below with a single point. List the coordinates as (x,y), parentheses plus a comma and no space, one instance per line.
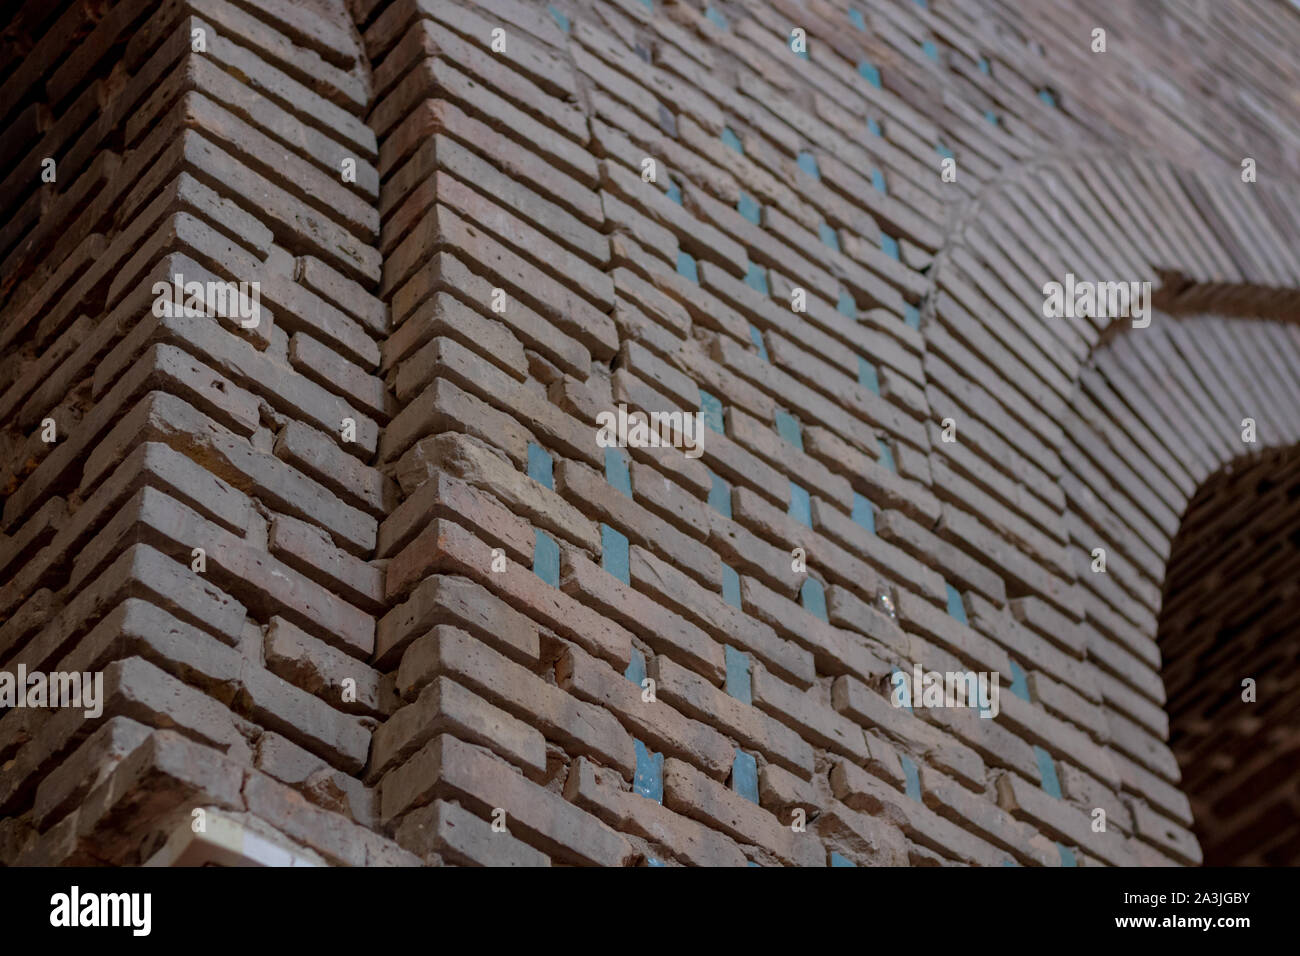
(362,581)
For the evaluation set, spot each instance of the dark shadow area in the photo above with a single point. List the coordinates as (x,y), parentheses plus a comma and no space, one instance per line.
(1231,611)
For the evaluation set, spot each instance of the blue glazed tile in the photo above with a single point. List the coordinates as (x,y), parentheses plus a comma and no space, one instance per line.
(540,466)
(813,598)
(808,163)
(864,515)
(720,496)
(712,409)
(546,558)
(867,377)
(744,776)
(750,209)
(955,606)
(648,780)
(800,505)
(912,776)
(738,682)
(828,235)
(1019,682)
(756,337)
(616,471)
(731,586)
(846,306)
(636,668)
(788,428)
(870,73)
(1047,771)
(886,455)
(686,267)
(731,139)
(614,553)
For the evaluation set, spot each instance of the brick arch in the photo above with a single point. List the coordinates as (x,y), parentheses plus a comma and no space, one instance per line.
(1103,433)
(1157,442)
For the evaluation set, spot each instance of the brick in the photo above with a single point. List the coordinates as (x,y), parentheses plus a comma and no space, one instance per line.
(449,651)
(448,767)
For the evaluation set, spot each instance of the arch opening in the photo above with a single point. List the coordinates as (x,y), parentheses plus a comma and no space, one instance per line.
(1231,614)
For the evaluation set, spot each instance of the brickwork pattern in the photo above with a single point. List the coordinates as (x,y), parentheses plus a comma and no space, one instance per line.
(429,604)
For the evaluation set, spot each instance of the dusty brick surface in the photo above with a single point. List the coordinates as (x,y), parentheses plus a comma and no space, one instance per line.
(361,573)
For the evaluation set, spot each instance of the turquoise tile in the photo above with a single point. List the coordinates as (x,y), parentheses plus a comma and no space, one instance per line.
(867,377)
(651,861)
(738,684)
(1019,682)
(873,127)
(864,514)
(838,860)
(720,496)
(1067,855)
(886,455)
(674,192)
(648,780)
(1047,772)
(889,245)
(828,235)
(788,428)
(985,67)
(855,16)
(944,151)
(931,50)
(756,278)
(686,267)
(800,505)
(731,586)
(1047,97)
(613,553)
(878,180)
(956,608)
(799,53)
(808,163)
(712,409)
(912,316)
(894,678)
(813,598)
(559,18)
(616,471)
(868,71)
(744,776)
(732,140)
(649,5)
(716,18)
(846,306)
(991,116)
(913,777)
(750,209)
(636,668)
(756,337)
(540,465)
(546,558)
